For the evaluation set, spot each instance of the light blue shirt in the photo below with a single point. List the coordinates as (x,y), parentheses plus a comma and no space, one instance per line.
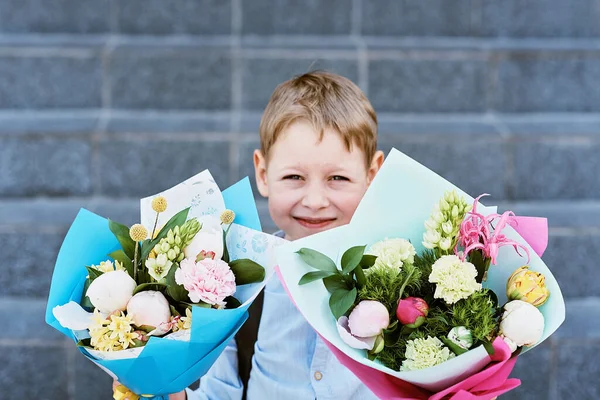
(290,361)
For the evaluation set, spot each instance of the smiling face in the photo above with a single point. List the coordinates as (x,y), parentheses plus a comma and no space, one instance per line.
(312,185)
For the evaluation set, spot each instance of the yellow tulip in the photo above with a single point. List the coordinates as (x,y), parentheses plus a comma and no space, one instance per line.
(527,286)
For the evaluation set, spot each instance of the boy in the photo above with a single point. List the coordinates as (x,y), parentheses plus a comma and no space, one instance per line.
(317,158)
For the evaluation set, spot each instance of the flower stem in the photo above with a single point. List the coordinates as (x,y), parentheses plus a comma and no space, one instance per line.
(404,284)
(227,230)
(153,229)
(135,261)
(360,276)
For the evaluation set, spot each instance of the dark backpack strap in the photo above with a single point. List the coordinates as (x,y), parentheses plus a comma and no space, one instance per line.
(246,338)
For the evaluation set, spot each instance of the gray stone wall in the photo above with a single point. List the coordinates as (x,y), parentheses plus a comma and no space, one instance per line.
(105,101)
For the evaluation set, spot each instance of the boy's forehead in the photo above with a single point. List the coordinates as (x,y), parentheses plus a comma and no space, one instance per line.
(300,144)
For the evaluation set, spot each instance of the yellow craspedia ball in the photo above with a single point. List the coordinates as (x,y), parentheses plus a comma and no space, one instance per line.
(227,217)
(159,204)
(138,233)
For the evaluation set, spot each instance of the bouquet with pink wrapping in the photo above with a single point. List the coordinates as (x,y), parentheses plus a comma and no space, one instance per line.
(426,293)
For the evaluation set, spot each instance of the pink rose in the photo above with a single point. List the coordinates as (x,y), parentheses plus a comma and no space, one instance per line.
(210,281)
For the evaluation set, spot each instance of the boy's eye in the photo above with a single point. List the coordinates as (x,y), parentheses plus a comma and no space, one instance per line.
(293,177)
(339,178)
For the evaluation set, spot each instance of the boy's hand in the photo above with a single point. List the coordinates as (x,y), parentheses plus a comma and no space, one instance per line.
(174,396)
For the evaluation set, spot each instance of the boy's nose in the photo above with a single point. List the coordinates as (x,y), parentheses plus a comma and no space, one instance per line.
(315,198)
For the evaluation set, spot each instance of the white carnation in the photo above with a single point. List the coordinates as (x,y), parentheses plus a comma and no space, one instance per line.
(393,253)
(455,280)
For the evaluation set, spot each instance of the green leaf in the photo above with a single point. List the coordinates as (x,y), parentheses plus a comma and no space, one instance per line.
(225,251)
(341,301)
(314,276)
(175,291)
(232,302)
(317,260)
(159,287)
(84,343)
(352,258)
(201,305)
(85,301)
(121,232)
(493,297)
(361,280)
(489,348)
(93,273)
(335,282)
(176,220)
(174,311)
(391,327)
(456,349)
(247,271)
(367,261)
(121,257)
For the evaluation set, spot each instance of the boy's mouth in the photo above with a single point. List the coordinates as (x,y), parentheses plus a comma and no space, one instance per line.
(314,223)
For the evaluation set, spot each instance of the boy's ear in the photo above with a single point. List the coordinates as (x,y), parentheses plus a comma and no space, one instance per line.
(375,165)
(260,172)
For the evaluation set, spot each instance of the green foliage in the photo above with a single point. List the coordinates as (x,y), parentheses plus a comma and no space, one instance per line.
(247,271)
(477,313)
(317,260)
(341,301)
(383,286)
(352,258)
(121,232)
(177,220)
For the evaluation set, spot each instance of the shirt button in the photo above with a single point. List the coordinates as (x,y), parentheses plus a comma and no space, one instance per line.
(318,376)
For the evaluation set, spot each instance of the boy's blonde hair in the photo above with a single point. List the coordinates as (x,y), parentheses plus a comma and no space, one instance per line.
(327,101)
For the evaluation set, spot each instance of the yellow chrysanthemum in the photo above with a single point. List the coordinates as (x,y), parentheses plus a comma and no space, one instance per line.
(227,217)
(159,204)
(138,233)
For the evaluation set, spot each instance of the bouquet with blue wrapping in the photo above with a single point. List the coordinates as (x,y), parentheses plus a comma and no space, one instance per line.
(155,304)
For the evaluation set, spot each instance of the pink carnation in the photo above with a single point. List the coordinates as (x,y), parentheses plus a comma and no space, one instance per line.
(210,281)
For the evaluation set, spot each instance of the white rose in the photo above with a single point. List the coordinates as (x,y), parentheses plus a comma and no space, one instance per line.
(111,291)
(522,323)
(149,308)
(209,238)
